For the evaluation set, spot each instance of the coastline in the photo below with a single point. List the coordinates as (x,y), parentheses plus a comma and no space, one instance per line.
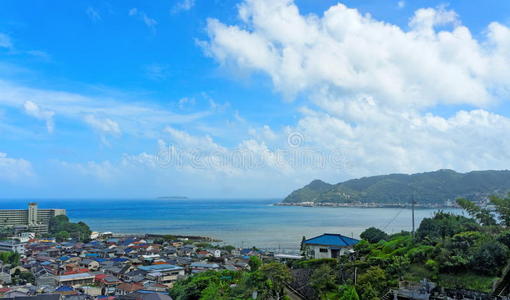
(365,205)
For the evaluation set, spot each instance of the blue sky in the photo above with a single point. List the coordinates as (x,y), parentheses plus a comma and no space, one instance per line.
(92,91)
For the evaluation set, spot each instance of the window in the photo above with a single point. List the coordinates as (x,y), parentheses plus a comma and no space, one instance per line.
(323,250)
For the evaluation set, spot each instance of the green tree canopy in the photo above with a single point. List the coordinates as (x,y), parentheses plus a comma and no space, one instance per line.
(254,263)
(79,231)
(482,215)
(323,280)
(276,275)
(374,235)
(502,208)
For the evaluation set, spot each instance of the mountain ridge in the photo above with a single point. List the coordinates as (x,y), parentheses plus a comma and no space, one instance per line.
(427,188)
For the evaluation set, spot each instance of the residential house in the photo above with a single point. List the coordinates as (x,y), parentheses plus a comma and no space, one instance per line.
(165,274)
(76,279)
(329,245)
(128,288)
(46,280)
(90,264)
(5,278)
(197,267)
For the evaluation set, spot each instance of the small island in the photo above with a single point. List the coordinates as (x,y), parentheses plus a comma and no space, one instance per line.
(173,198)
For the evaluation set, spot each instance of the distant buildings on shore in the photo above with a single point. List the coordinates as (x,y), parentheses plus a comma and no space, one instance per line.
(32,219)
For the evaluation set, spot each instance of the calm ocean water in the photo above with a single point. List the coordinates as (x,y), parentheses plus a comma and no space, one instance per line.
(238,222)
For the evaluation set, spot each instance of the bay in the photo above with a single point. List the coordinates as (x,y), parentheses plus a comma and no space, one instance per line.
(238,222)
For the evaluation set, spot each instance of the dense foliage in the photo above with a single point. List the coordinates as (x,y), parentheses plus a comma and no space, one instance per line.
(425,188)
(11,258)
(267,281)
(374,235)
(63,229)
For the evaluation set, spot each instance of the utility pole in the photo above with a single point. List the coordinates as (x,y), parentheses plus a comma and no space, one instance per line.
(412,212)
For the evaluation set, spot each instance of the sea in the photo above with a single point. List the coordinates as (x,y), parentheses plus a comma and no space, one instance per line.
(237,222)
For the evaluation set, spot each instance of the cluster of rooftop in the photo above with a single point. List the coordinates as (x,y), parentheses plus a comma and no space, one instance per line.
(119,267)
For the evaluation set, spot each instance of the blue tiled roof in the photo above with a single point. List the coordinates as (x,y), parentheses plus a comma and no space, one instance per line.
(64,288)
(119,259)
(331,239)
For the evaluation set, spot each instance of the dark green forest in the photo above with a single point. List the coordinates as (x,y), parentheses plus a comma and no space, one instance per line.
(431,188)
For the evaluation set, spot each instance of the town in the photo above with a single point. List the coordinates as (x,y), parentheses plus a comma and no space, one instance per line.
(40,265)
(66,260)
(130,266)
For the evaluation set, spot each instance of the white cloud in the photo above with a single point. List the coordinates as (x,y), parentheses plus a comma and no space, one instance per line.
(351,54)
(372,84)
(5,41)
(93,14)
(183,5)
(148,21)
(106,125)
(32,109)
(186,101)
(135,118)
(38,53)
(14,169)
(401,4)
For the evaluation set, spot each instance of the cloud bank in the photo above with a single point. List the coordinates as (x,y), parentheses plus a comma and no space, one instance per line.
(373,87)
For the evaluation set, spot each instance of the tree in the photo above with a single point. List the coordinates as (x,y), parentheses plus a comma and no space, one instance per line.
(373,283)
(374,235)
(56,223)
(27,277)
(488,257)
(10,257)
(205,285)
(254,263)
(368,292)
(79,231)
(348,293)
(482,215)
(323,280)
(302,247)
(276,276)
(62,236)
(228,248)
(444,225)
(502,208)
(216,291)
(504,238)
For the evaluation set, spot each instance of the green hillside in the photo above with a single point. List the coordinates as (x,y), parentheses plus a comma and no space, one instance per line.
(426,188)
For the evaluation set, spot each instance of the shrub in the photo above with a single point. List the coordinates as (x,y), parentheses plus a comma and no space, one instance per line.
(374,235)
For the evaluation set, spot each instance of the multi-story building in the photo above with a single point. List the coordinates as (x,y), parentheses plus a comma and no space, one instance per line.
(33,218)
(13,246)
(165,273)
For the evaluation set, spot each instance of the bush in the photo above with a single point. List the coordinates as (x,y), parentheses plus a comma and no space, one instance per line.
(444,225)
(315,263)
(504,238)
(374,235)
(432,265)
(348,292)
(489,257)
(420,254)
